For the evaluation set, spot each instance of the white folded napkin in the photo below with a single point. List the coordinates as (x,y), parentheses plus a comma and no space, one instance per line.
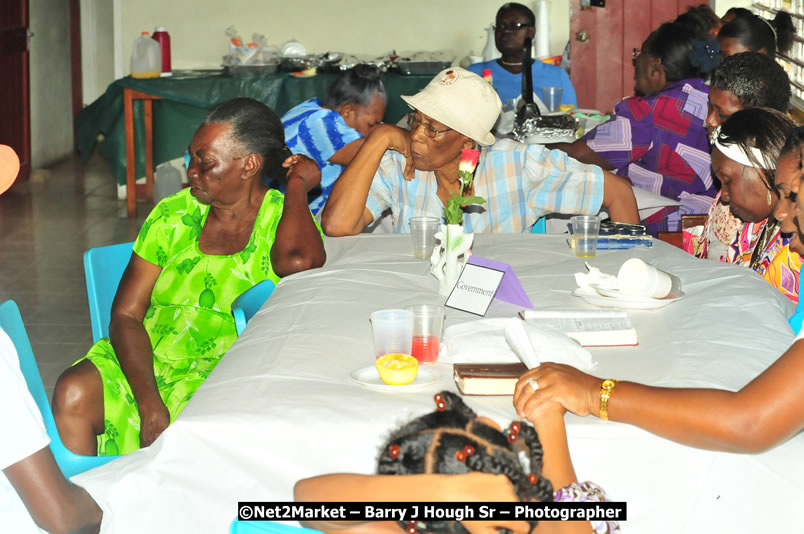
(596,277)
(510,340)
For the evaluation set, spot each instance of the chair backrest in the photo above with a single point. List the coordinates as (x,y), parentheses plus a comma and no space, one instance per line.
(69,462)
(797,319)
(246,305)
(539,227)
(103,268)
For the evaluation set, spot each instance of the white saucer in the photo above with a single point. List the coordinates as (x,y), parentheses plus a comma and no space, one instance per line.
(612,298)
(369,378)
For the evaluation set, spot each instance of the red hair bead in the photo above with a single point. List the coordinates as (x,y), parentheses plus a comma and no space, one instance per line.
(412,528)
(512,436)
(393,450)
(439,400)
(460,455)
(515,427)
(532,478)
(469,450)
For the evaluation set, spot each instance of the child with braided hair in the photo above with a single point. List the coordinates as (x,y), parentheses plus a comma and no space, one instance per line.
(451,454)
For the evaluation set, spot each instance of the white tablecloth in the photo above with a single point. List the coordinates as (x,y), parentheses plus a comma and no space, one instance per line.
(281,405)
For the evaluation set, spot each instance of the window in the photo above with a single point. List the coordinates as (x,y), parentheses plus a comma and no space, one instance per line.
(793,61)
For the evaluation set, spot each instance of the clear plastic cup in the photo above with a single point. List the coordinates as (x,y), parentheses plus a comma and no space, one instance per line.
(428,323)
(393,332)
(422,232)
(585,229)
(551,96)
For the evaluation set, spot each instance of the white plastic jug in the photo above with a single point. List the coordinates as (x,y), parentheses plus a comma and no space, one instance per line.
(166,182)
(146,58)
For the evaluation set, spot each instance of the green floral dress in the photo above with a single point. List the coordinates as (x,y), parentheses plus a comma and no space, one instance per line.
(190,318)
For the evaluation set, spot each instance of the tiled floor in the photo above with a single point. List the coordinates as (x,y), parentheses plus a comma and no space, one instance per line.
(44,230)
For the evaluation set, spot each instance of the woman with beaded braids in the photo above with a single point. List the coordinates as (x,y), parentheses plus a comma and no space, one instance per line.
(198,250)
(452,455)
(657,138)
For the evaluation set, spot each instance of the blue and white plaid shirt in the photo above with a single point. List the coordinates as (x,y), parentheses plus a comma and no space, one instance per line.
(520,183)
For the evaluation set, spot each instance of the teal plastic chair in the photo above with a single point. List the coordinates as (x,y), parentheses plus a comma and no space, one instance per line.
(267,527)
(246,305)
(69,462)
(539,227)
(103,269)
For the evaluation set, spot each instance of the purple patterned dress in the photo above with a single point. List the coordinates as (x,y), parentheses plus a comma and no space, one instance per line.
(660,143)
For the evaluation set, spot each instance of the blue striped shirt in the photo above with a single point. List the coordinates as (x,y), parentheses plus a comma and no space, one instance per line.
(318,133)
(520,183)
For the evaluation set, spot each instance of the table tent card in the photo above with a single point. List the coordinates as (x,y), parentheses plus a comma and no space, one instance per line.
(510,289)
(483,280)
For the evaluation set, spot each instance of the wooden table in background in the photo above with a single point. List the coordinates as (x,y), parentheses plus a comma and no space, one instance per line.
(129,95)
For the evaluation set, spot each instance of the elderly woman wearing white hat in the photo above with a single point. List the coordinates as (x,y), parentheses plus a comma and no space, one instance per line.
(413,173)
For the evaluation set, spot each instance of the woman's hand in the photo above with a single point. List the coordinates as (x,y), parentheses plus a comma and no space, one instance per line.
(154,419)
(397,139)
(300,166)
(574,390)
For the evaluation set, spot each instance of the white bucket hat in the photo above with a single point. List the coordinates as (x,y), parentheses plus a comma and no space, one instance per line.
(461,100)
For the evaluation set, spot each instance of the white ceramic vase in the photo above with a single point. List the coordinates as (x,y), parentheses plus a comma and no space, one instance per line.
(450,255)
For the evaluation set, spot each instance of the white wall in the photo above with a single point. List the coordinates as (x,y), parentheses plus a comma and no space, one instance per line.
(51,89)
(351,26)
(721,6)
(97,48)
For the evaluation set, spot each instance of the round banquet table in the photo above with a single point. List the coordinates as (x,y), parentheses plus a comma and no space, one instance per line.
(281,405)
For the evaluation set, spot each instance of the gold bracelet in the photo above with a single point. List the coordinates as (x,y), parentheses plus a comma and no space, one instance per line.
(606,388)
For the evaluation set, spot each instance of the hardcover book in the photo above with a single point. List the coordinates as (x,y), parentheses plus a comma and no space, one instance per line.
(487,378)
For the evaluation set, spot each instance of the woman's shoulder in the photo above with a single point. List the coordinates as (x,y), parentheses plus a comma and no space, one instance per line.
(272,205)
(506,146)
(273,198)
(176,206)
(312,104)
(308,110)
(691,84)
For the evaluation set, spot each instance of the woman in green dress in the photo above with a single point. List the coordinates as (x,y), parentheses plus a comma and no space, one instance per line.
(198,250)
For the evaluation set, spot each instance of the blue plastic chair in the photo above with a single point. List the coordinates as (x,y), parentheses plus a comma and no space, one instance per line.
(540,226)
(797,319)
(69,462)
(103,268)
(267,527)
(246,305)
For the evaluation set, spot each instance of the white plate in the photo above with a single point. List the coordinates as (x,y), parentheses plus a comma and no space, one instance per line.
(617,294)
(623,302)
(369,378)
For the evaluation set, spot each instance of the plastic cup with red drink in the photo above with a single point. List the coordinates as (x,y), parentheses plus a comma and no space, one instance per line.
(428,322)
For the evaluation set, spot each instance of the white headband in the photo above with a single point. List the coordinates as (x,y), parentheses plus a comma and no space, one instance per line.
(734,152)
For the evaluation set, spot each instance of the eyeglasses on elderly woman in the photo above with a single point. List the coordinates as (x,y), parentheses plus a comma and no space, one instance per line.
(415,120)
